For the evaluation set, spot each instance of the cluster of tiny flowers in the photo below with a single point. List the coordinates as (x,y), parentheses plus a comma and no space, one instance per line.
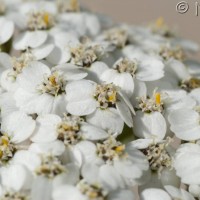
(91,109)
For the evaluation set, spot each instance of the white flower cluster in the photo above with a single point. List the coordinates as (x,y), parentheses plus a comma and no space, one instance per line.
(91,109)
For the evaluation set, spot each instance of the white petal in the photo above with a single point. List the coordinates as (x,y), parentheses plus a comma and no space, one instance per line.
(33,103)
(193,67)
(80,90)
(188,45)
(178,193)
(80,97)
(59,105)
(90,172)
(125,113)
(27,158)
(7,104)
(8,83)
(84,107)
(109,75)
(30,39)
(178,69)
(154,194)
(169,177)
(107,119)
(92,24)
(72,72)
(41,189)
(42,51)
(91,132)
(66,192)
(46,128)
(194,190)
(121,194)
(5,61)
(88,151)
(187,154)
(124,98)
(19,126)
(136,163)
(185,124)
(140,90)
(195,94)
(95,70)
(59,55)
(141,143)
(151,69)
(123,80)
(110,178)
(55,148)
(7,30)
(15,177)
(33,75)
(149,125)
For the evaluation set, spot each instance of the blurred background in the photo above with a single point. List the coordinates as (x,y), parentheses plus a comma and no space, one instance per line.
(142,12)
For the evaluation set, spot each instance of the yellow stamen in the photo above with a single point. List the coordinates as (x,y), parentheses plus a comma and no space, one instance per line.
(4,141)
(46,18)
(66,127)
(93,195)
(1,154)
(74,5)
(112,97)
(52,79)
(119,148)
(157,98)
(160,22)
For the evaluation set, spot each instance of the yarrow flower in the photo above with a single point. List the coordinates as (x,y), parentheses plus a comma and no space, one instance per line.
(91,109)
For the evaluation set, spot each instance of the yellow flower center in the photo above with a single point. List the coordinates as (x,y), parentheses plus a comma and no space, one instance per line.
(151,104)
(50,167)
(53,84)
(190,84)
(7,149)
(126,65)
(106,95)
(117,36)
(40,20)
(46,18)
(158,98)
(68,6)
(92,191)
(176,52)
(160,22)
(110,150)
(69,130)
(160,27)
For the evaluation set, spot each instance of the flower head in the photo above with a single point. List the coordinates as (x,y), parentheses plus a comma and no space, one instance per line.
(159,27)
(106,95)
(126,65)
(85,54)
(110,150)
(191,84)
(68,6)
(148,105)
(116,36)
(53,84)
(40,20)
(68,129)
(50,167)
(167,53)
(7,148)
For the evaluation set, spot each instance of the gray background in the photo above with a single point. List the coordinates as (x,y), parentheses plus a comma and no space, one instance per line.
(145,11)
